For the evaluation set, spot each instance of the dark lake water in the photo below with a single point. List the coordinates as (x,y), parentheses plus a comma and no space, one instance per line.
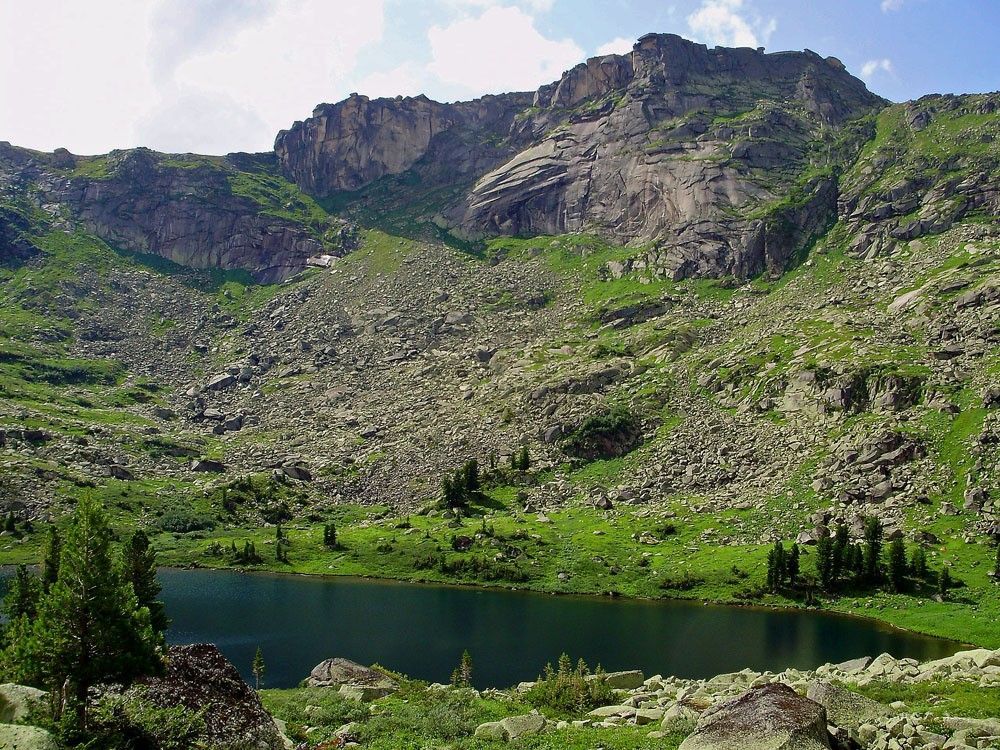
(422,630)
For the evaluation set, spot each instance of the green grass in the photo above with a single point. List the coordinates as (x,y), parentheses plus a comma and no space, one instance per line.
(416,718)
(939,698)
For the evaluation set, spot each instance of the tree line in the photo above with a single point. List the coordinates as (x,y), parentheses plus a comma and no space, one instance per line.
(841,563)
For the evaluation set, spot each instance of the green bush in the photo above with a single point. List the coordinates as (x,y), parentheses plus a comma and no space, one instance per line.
(607,435)
(131,721)
(181,519)
(570,690)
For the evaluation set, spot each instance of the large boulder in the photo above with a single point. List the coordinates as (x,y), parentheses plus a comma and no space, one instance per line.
(512,728)
(354,680)
(845,708)
(18,737)
(768,717)
(18,701)
(200,678)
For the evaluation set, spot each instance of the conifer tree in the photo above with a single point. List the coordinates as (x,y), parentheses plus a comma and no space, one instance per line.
(873,549)
(897,565)
(792,565)
(825,562)
(776,566)
(258,668)
(90,627)
(50,562)
(918,563)
(944,582)
(22,596)
(462,675)
(841,541)
(140,567)
(470,475)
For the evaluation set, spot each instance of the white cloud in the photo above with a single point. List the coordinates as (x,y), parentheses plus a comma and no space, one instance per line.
(299,55)
(73,74)
(201,75)
(723,23)
(500,50)
(890,5)
(871,67)
(617,46)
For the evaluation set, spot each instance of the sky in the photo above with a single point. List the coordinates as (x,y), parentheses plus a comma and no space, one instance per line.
(214,76)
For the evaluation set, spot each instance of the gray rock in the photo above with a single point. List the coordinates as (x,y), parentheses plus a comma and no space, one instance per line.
(220,381)
(845,708)
(627,680)
(18,701)
(515,727)
(768,717)
(17,737)
(361,682)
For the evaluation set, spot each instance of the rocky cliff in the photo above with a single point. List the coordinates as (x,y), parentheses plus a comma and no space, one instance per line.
(200,212)
(721,159)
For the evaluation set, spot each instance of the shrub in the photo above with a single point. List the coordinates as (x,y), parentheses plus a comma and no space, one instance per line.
(685,582)
(608,435)
(181,519)
(131,720)
(568,689)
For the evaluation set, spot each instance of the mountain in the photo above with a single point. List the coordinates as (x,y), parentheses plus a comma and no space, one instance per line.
(722,297)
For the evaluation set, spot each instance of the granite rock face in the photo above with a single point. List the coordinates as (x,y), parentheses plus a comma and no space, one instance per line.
(348,145)
(711,155)
(184,209)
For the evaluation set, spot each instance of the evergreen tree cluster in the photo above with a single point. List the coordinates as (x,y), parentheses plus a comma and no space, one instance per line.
(520,461)
(840,563)
(782,566)
(91,617)
(463,487)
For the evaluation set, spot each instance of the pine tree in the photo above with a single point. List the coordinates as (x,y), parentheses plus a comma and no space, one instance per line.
(918,563)
(523,459)
(855,560)
(470,475)
(792,565)
(330,536)
(897,565)
(776,566)
(10,523)
(825,562)
(258,668)
(90,627)
(140,568)
(462,674)
(22,596)
(944,582)
(841,540)
(873,549)
(50,562)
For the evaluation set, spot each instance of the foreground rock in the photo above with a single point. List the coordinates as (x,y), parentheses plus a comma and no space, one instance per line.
(354,680)
(18,701)
(845,708)
(769,717)
(15,737)
(512,728)
(200,678)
